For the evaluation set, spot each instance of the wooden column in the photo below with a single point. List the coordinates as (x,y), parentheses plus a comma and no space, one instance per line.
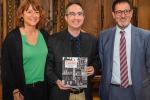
(4,19)
(0,30)
(1,24)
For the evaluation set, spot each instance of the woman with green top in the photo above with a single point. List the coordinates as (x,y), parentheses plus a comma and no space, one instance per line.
(24,54)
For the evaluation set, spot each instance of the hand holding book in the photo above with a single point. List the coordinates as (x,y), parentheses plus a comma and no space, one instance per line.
(61,85)
(74,71)
(89,70)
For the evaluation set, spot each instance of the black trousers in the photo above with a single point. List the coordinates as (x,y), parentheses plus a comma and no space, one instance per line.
(36,91)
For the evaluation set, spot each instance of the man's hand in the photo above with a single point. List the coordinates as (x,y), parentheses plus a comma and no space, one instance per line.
(62,86)
(89,70)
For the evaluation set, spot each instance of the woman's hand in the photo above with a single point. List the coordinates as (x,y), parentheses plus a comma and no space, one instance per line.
(17,95)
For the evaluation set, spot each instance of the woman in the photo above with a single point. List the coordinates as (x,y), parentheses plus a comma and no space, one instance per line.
(24,54)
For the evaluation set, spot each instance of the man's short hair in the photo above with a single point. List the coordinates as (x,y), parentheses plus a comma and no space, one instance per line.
(71,3)
(120,1)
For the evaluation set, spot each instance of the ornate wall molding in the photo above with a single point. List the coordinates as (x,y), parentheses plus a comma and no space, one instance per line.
(9,8)
(58,14)
(10,14)
(48,7)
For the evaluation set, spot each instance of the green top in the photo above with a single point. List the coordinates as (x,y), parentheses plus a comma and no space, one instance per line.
(34,59)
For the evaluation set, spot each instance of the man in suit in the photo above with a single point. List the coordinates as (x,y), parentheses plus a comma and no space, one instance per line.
(60,45)
(125,54)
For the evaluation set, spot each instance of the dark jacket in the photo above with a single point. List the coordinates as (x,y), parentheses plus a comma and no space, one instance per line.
(12,64)
(59,46)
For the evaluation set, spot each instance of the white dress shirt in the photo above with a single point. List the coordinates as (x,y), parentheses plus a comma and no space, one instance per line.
(116,57)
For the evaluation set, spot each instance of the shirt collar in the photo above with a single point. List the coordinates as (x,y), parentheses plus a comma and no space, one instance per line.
(70,37)
(127,29)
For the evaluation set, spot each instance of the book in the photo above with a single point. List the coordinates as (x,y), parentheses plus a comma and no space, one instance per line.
(73,71)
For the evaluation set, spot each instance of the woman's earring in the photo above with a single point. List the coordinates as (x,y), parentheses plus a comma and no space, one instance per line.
(21,19)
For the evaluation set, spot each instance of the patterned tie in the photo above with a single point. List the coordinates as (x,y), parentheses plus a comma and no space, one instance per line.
(123,61)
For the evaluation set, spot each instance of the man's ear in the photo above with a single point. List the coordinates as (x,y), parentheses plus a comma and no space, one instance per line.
(66,18)
(131,12)
(113,14)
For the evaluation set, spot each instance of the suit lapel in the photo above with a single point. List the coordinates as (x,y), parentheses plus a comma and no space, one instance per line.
(111,49)
(133,45)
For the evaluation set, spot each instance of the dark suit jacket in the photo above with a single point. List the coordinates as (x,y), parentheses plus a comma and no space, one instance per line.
(140,62)
(59,46)
(12,64)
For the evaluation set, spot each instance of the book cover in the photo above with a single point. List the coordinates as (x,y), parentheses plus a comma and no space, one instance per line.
(73,71)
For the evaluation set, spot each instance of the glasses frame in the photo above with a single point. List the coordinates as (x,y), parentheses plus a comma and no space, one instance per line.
(120,12)
(73,14)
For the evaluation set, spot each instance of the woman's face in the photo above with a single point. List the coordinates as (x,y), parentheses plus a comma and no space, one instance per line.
(31,17)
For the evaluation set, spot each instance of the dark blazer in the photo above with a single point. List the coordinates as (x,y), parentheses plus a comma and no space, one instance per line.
(59,46)
(140,62)
(12,63)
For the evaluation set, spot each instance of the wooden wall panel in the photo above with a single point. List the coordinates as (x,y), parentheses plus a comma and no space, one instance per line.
(143,14)
(97,15)
(107,19)
(1,24)
(0,30)
(92,23)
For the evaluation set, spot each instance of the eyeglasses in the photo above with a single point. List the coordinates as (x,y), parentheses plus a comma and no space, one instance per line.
(37,13)
(120,12)
(75,14)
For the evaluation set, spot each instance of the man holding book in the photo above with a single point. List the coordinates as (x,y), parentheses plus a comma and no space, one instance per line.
(71,42)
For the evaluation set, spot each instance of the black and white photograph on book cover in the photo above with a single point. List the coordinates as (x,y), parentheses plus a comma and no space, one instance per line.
(73,71)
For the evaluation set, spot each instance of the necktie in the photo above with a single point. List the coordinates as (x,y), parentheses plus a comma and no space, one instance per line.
(75,47)
(123,61)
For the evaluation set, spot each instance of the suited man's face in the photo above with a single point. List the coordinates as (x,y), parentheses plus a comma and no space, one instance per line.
(74,17)
(122,14)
